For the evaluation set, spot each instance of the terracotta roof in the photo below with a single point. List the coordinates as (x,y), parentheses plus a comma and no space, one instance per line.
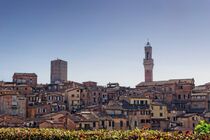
(59,115)
(11,119)
(187,115)
(25,74)
(87,116)
(124,105)
(114,105)
(172,81)
(127,106)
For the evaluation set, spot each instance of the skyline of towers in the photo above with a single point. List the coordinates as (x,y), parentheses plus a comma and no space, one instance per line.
(59,68)
(58,71)
(148,63)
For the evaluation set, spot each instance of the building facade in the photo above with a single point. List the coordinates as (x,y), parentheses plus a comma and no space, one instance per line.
(73,98)
(12,103)
(25,78)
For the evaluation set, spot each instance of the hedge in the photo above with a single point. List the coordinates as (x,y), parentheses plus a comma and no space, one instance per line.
(58,134)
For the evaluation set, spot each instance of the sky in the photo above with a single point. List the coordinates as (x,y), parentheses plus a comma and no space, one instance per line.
(103,40)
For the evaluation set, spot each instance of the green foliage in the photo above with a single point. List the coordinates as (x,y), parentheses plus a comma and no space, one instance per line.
(202,128)
(58,134)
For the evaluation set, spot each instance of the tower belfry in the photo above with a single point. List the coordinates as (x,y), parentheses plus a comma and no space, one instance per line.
(148,63)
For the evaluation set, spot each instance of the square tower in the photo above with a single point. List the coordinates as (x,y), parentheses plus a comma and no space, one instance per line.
(58,71)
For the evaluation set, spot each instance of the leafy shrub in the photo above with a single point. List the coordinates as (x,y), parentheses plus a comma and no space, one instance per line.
(202,128)
(57,134)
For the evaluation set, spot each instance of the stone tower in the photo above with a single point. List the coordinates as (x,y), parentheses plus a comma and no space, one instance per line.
(148,63)
(58,71)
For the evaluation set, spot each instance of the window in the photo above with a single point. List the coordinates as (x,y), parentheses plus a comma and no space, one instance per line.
(39,110)
(161,107)
(152,114)
(184,96)
(14,100)
(72,95)
(121,123)
(127,123)
(113,124)
(161,114)
(94,124)
(110,123)
(135,123)
(102,123)
(142,102)
(87,126)
(179,96)
(142,121)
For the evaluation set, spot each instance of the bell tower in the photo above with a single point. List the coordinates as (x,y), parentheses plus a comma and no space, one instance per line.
(148,63)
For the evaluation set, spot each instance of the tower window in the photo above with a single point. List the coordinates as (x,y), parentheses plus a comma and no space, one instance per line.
(147,56)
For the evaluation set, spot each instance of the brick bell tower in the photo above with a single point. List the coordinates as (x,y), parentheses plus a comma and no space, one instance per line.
(148,63)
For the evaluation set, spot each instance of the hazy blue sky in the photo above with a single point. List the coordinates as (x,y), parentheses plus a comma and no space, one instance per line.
(103,40)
